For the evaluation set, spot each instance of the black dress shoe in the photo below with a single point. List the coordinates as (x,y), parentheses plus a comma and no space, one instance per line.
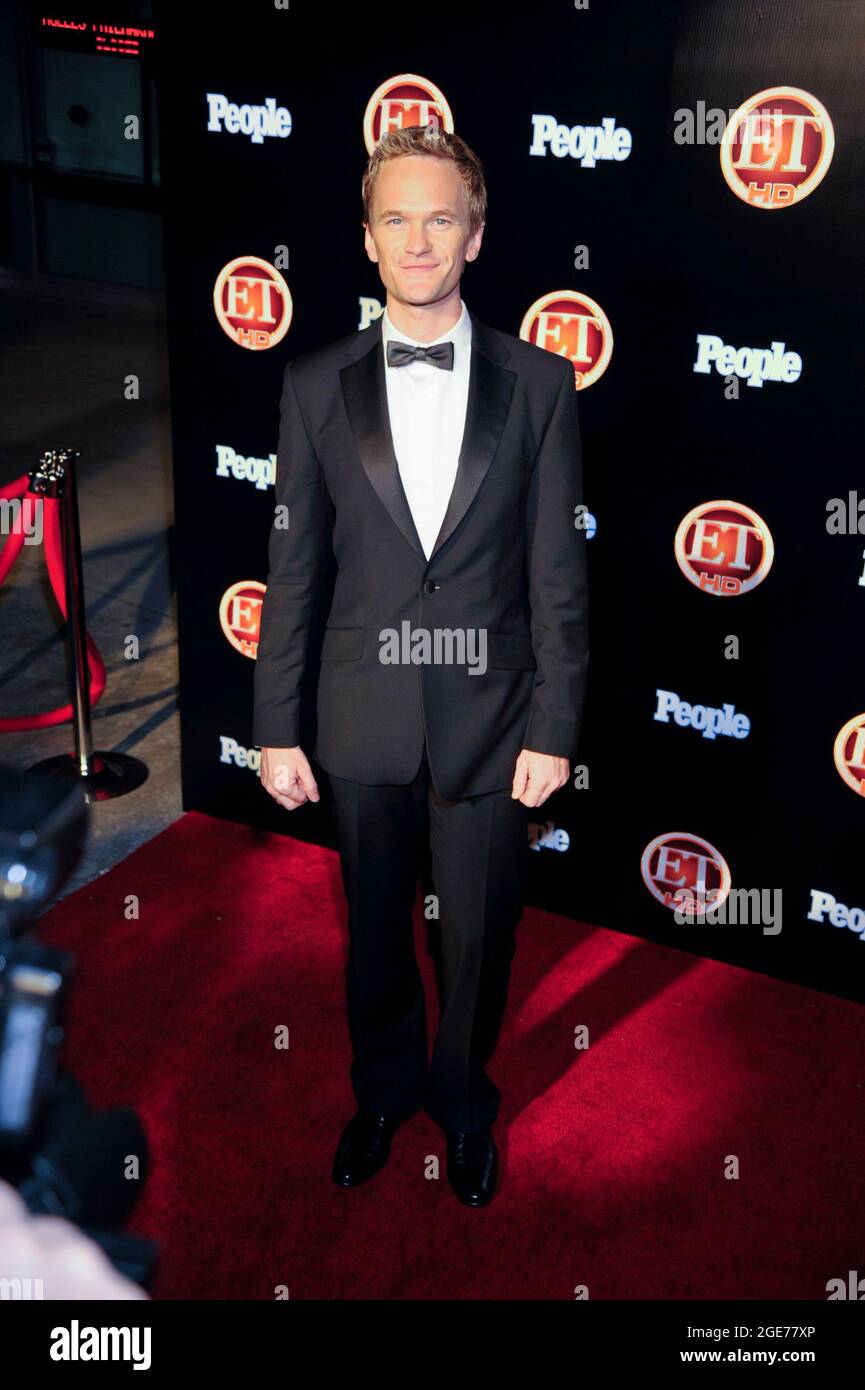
(363,1148)
(472,1166)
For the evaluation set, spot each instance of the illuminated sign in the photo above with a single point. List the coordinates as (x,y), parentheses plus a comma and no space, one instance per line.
(777,148)
(724,548)
(682,869)
(240,615)
(754,365)
(849,752)
(403,101)
(589,144)
(252,303)
(83,34)
(255,121)
(571,325)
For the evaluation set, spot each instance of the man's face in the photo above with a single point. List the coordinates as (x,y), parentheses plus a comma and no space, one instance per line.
(419,228)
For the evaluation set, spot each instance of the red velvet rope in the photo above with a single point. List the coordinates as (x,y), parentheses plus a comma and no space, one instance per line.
(56,573)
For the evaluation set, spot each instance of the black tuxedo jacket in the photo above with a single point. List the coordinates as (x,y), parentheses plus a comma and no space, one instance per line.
(508,559)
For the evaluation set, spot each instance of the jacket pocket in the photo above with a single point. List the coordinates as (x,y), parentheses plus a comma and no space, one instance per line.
(510,651)
(342,644)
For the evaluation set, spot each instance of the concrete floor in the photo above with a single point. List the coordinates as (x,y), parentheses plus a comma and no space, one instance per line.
(66,347)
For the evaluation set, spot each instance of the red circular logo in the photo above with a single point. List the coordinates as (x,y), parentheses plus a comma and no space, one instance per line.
(777,148)
(240,615)
(684,871)
(724,548)
(571,325)
(252,303)
(850,753)
(403,101)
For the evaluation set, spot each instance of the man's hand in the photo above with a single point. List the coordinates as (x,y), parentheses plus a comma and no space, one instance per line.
(287,777)
(537,776)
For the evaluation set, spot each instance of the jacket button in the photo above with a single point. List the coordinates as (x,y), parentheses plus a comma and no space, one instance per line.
(430,586)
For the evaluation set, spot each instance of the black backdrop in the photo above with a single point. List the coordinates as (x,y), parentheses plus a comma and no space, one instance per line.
(673,253)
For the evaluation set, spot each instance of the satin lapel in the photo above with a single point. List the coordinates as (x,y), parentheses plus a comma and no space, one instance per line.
(365,394)
(490,390)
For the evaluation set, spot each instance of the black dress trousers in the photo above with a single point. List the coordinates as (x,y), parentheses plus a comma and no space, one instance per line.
(478,850)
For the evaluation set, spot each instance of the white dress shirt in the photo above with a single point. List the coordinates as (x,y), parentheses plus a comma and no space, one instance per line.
(427,408)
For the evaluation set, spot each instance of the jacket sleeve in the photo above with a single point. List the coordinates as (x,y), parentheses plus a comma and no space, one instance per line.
(556,570)
(295,555)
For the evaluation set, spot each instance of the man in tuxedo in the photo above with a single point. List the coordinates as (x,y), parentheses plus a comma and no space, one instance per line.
(437,462)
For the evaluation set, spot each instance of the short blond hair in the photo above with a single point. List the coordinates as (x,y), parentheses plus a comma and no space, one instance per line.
(441,144)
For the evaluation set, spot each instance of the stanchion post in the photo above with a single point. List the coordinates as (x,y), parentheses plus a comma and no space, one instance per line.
(102,775)
(76,626)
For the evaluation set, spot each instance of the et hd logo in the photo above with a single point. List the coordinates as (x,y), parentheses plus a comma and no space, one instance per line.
(777,148)
(724,548)
(252,303)
(678,867)
(403,101)
(240,615)
(571,325)
(849,754)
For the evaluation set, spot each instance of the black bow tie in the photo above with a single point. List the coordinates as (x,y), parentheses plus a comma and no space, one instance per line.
(440,354)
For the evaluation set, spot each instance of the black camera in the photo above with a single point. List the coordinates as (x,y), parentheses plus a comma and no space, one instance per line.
(63,1157)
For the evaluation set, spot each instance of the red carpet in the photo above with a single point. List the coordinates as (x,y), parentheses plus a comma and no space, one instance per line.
(612,1158)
